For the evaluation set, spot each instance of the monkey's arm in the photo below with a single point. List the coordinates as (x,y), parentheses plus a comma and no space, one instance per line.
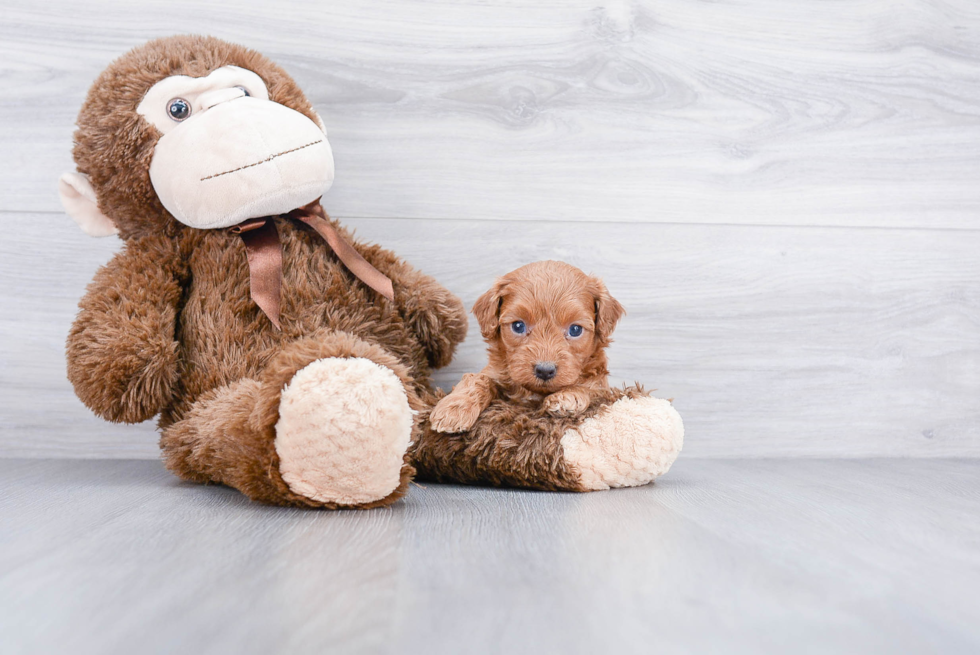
(122,356)
(458,411)
(433,313)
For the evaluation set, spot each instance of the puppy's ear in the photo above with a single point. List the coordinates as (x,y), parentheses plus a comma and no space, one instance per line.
(608,311)
(487,309)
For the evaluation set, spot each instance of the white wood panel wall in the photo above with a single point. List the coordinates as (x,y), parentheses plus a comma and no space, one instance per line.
(784,195)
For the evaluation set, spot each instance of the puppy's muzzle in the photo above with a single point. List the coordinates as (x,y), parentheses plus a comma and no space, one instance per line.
(544,371)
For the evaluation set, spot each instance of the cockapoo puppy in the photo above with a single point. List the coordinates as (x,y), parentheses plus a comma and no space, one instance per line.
(546,325)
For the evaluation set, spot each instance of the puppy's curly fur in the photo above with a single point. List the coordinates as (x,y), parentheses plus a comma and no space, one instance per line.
(547,326)
(506,425)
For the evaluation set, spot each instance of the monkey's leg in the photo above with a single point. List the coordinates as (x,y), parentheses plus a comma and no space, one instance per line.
(626,444)
(625,438)
(327,424)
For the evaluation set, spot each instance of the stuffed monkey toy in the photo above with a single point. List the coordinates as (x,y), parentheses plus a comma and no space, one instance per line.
(284,359)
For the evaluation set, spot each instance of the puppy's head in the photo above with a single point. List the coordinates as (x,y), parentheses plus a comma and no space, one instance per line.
(547,324)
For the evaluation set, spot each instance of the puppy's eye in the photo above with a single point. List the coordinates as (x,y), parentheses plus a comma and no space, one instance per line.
(244,90)
(179,109)
(575,330)
(518,327)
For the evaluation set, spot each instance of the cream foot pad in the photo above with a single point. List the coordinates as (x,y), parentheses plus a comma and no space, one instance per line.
(627,444)
(344,426)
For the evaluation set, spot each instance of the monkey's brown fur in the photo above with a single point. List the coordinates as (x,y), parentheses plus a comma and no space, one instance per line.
(512,444)
(167,326)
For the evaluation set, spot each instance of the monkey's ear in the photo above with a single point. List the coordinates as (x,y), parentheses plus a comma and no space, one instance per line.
(487,309)
(78,198)
(608,311)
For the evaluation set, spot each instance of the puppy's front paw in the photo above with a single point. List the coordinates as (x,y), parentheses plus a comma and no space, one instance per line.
(567,402)
(454,414)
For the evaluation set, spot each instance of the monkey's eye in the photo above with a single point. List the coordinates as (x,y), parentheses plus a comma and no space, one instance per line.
(575,330)
(244,90)
(518,327)
(179,109)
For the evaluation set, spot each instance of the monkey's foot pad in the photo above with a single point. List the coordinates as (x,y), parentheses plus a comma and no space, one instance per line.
(627,444)
(344,426)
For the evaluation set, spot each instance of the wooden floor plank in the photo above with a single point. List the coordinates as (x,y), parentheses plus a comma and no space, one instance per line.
(772,341)
(759,112)
(753,556)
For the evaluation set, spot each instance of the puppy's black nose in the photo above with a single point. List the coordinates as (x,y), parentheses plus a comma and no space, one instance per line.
(545,370)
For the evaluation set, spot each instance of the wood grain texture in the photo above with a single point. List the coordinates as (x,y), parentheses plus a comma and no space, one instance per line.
(764,556)
(751,112)
(772,340)
(690,153)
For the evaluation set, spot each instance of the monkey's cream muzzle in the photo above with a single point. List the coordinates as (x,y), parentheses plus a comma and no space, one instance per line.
(232,154)
(240,159)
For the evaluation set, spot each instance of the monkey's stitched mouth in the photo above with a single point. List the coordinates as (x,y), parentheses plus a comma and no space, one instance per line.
(267,159)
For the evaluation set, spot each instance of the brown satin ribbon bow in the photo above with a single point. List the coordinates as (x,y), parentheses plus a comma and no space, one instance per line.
(261,239)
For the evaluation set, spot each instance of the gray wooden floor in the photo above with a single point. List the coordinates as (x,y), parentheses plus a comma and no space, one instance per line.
(720,556)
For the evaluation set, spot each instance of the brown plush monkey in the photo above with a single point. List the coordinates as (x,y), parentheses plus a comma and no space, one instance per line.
(280,365)
(284,360)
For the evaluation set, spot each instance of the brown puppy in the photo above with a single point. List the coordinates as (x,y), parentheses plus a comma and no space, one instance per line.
(547,325)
